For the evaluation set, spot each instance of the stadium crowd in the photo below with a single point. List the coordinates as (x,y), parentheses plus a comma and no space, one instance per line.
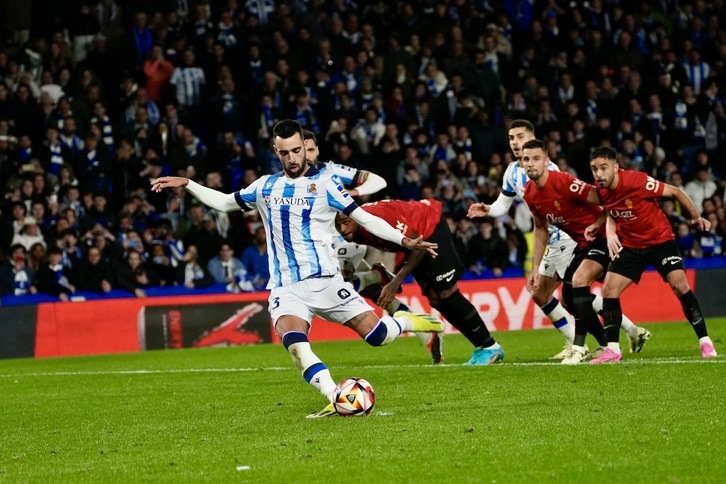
(98,98)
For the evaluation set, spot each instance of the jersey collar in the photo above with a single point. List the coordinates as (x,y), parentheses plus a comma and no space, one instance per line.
(312,171)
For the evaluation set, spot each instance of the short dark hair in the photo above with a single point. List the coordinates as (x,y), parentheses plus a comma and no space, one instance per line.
(535,143)
(307,134)
(522,123)
(55,250)
(604,152)
(287,128)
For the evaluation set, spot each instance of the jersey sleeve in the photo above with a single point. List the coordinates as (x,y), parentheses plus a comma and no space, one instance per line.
(577,188)
(247,197)
(338,199)
(346,174)
(647,186)
(509,182)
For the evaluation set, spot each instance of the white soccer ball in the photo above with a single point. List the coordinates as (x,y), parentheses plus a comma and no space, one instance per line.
(354,397)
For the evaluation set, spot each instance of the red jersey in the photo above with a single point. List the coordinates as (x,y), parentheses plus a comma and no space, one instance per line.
(421,217)
(562,201)
(634,206)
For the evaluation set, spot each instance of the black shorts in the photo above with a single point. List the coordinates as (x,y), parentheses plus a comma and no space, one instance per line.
(665,257)
(597,252)
(444,271)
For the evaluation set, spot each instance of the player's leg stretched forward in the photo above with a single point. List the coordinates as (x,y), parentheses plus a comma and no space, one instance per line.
(292,310)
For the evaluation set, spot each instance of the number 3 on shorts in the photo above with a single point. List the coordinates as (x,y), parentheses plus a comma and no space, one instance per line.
(275,303)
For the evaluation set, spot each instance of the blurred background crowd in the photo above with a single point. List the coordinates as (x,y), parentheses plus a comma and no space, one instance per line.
(99,97)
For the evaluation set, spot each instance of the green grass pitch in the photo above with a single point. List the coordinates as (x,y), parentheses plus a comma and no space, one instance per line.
(238,415)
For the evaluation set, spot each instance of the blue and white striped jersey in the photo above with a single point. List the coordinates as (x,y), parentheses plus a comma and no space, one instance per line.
(346,174)
(189,82)
(299,216)
(515,179)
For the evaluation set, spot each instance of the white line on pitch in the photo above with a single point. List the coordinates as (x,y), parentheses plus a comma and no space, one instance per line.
(652,361)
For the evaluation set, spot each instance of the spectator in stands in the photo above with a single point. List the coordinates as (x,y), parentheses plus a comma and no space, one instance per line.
(191,273)
(161,264)
(72,254)
(158,72)
(487,250)
(134,276)
(16,278)
(18,212)
(223,266)
(254,259)
(55,279)
(710,242)
(700,188)
(368,132)
(205,237)
(93,273)
(686,240)
(30,234)
(189,81)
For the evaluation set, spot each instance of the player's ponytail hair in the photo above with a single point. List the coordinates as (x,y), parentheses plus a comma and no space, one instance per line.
(604,152)
(287,128)
(534,144)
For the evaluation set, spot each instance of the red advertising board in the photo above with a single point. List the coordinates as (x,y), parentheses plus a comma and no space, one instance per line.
(112,326)
(506,305)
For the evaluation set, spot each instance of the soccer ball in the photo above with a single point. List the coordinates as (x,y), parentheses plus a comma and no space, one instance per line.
(354,397)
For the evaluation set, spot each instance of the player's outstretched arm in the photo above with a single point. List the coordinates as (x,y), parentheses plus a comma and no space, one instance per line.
(367,184)
(478,210)
(420,244)
(500,207)
(686,202)
(380,228)
(223,202)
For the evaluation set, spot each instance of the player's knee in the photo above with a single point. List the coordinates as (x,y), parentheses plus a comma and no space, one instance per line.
(543,293)
(610,292)
(581,280)
(540,297)
(435,297)
(680,287)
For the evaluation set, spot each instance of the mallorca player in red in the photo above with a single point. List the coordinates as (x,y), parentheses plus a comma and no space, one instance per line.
(437,276)
(570,204)
(644,237)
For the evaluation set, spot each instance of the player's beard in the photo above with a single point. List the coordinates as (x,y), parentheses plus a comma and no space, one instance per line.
(301,170)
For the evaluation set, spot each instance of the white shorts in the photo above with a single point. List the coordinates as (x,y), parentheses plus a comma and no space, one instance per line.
(350,256)
(556,259)
(330,298)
